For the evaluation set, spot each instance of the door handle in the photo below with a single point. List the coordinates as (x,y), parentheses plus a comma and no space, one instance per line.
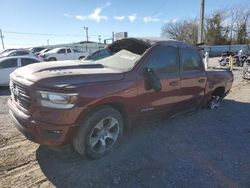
(201,80)
(174,83)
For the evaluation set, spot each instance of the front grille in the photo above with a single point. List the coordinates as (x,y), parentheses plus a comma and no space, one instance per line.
(21,95)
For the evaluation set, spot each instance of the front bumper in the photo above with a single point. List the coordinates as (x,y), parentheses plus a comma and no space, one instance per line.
(40,132)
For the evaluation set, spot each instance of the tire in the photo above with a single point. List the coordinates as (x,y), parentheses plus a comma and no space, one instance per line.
(99,133)
(81,57)
(52,59)
(214,103)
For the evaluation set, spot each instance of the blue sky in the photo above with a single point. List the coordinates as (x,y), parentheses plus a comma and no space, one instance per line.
(62,21)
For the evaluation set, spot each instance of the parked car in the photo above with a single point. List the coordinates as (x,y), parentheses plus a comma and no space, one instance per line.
(90,103)
(7,50)
(20,52)
(9,64)
(36,49)
(42,52)
(62,54)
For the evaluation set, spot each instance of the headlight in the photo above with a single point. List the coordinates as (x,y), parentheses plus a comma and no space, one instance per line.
(57,100)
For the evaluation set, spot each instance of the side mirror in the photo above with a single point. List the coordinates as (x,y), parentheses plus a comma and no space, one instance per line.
(151,80)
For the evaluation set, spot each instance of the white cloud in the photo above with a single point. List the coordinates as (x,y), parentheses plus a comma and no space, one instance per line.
(79,17)
(148,19)
(174,20)
(132,18)
(119,18)
(95,15)
(67,15)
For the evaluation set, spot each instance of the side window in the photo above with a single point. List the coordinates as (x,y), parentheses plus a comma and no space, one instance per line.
(22,53)
(190,60)
(27,61)
(68,50)
(9,63)
(164,60)
(61,51)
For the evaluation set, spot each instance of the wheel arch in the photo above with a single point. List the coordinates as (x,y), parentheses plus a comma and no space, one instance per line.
(220,91)
(116,105)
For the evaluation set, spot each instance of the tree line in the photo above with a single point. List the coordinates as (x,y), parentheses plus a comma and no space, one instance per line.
(220,28)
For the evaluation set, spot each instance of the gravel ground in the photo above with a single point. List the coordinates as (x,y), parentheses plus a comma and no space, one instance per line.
(205,148)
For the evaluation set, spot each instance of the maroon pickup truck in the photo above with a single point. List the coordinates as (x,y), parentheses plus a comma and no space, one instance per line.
(89,103)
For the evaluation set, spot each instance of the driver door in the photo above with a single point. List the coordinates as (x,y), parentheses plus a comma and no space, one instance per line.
(163,60)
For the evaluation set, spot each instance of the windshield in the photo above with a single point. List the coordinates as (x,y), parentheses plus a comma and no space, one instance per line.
(122,60)
(122,54)
(100,54)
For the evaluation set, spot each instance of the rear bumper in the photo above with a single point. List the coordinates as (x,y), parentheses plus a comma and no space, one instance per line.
(40,132)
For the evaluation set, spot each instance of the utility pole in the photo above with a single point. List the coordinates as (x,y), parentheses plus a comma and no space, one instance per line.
(87,34)
(99,38)
(48,42)
(201,24)
(113,37)
(1,36)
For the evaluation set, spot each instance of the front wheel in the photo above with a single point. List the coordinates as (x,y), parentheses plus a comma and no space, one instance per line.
(99,133)
(52,59)
(81,57)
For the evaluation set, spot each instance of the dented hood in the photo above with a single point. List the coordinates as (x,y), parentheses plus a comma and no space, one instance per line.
(66,73)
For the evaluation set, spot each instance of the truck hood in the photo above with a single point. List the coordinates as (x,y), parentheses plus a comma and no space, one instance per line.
(66,73)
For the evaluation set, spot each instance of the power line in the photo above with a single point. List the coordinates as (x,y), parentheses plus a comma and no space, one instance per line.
(153,14)
(50,34)
(43,34)
(160,7)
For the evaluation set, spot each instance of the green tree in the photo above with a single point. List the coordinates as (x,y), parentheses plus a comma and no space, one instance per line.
(215,32)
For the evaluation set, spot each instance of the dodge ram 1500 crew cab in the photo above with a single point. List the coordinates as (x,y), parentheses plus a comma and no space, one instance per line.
(89,103)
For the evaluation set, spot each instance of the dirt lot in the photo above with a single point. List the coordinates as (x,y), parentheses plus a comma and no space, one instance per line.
(201,149)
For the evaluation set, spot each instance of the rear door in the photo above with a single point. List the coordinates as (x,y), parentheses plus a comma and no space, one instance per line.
(163,60)
(193,78)
(6,67)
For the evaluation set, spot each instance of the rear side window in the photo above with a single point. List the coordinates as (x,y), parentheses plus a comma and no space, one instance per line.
(164,60)
(27,61)
(61,51)
(190,60)
(9,63)
(68,51)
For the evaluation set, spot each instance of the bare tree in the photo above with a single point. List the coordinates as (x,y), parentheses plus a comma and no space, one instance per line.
(184,31)
(221,27)
(239,24)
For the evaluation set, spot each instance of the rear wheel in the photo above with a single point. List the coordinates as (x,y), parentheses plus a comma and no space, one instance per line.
(99,133)
(215,101)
